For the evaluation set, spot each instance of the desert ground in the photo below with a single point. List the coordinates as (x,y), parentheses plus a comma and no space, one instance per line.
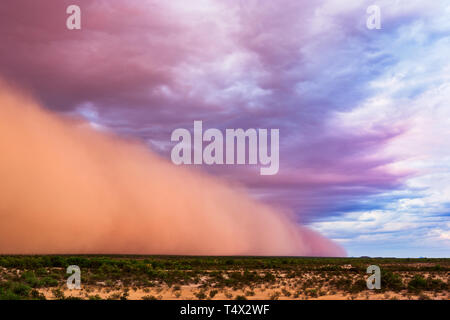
(223,278)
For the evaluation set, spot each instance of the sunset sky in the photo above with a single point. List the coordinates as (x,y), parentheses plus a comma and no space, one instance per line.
(364,115)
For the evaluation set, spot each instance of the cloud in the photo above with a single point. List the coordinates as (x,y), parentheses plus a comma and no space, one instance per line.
(412,95)
(67,188)
(346,99)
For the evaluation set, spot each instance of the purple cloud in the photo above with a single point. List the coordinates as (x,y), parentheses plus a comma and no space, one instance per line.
(144,68)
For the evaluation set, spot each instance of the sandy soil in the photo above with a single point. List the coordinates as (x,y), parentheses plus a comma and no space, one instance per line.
(191,293)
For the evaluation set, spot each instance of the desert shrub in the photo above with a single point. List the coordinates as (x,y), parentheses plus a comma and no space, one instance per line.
(341,284)
(275,296)
(36,295)
(250,293)
(125,294)
(82,262)
(213,293)
(286,292)
(30,279)
(229,262)
(200,295)
(20,289)
(41,271)
(14,291)
(330,268)
(115,296)
(73,298)
(106,270)
(48,282)
(240,297)
(419,283)
(8,295)
(423,296)
(391,281)
(269,277)
(312,293)
(358,286)
(58,294)
(57,261)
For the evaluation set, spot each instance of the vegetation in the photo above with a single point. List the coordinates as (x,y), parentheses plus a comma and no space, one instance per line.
(27,277)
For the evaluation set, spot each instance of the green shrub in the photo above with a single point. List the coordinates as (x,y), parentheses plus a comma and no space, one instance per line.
(250,293)
(358,286)
(391,281)
(200,295)
(419,283)
(275,296)
(36,295)
(20,289)
(48,282)
(58,294)
(286,292)
(213,293)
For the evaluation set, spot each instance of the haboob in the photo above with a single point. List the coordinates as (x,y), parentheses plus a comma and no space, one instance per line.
(68,188)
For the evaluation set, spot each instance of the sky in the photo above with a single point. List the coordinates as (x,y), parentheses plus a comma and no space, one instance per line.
(364,115)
